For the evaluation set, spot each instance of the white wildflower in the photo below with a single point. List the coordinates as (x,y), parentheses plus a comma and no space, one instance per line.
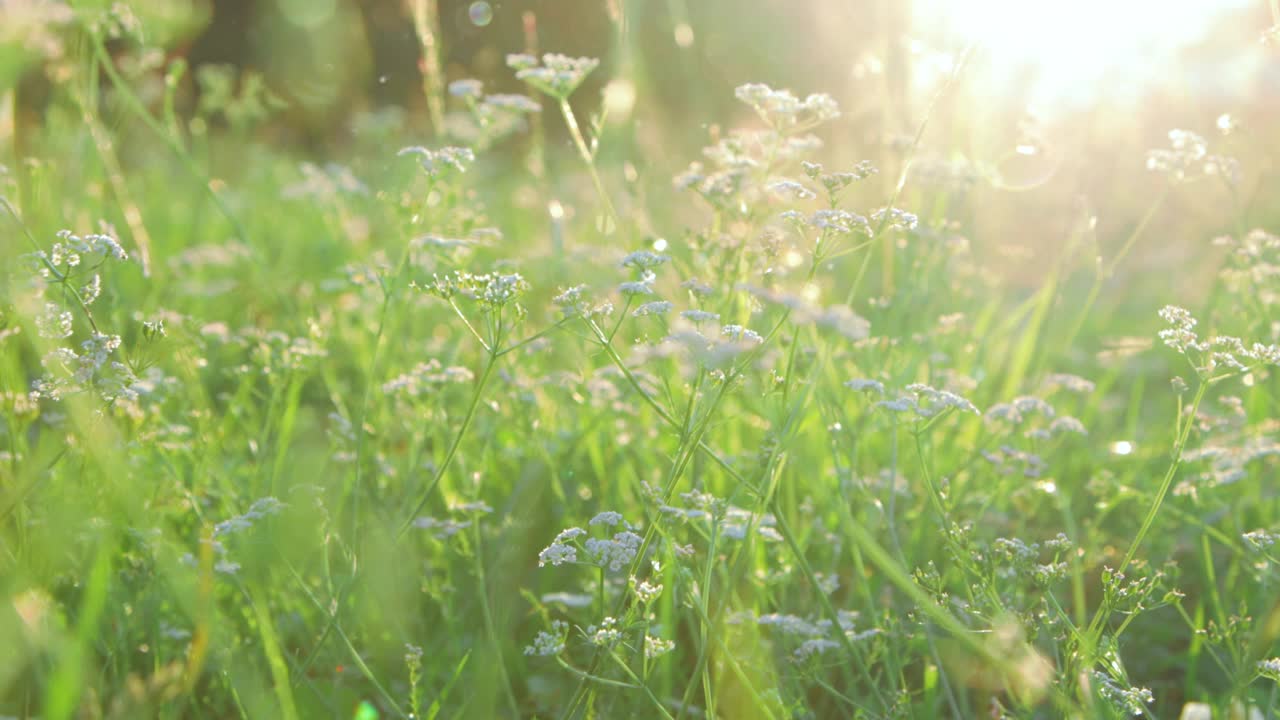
(609,518)
(657,307)
(741,334)
(549,644)
(634,288)
(606,634)
(865,385)
(700,316)
(657,647)
(644,260)
(466,88)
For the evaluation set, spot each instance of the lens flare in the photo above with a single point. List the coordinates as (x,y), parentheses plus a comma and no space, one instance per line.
(1078,52)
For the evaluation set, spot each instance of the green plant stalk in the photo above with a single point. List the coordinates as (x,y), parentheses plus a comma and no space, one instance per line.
(641,684)
(346,641)
(453,447)
(684,453)
(588,157)
(758,702)
(1166,483)
(135,104)
(355,490)
(426,22)
(275,661)
(909,157)
(111,164)
(62,696)
(1102,273)
(867,544)
(482,585)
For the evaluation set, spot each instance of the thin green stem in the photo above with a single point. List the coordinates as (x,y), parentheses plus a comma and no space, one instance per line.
(453,447)
(588,157)
(482,586)
(1166,483)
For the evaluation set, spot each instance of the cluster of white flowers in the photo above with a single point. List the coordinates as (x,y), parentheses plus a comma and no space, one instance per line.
(645,591)
(656,307)
(1133,700)
(814,636)
(732,521)
(744,152)
(1188,158)
(491,116)
(1229,460)
(274,351)
(606,634)
(783,111)
(733,342)
(78,367)
(835,182)
(697,288)
(741,334)
(426,377)
(438,163)
(895,219)
(839,222)
(840,319)
(644,260)
(1253,267)
(466,88)
(925,402)
(491,291)
(700,316)
(512,103)
(261,508)
(737,521)
(54,322)
(865,385)
(613,552)
(71,250)
(443,529)
(1022,558)
(644,263)
(655,647)
(549,644)
(632,288)
(1009,460)
(1035,417)
(576,302)
(1216,354)
(1261,539)
(324,183)
(1068,382)
(561,551)
(557,75)
(791,189)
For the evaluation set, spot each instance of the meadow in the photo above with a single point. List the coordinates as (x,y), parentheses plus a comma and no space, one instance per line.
(638,385)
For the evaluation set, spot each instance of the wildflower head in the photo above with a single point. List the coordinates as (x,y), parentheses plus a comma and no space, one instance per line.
(438,163)
(557,76)
(491,291)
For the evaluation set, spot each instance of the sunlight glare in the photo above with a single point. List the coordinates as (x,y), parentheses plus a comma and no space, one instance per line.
(1077,52)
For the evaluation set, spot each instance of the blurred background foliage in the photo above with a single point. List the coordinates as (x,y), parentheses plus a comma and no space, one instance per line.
(335,73)
(254,88)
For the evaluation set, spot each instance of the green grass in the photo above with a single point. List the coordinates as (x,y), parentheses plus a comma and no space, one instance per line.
(351,405)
